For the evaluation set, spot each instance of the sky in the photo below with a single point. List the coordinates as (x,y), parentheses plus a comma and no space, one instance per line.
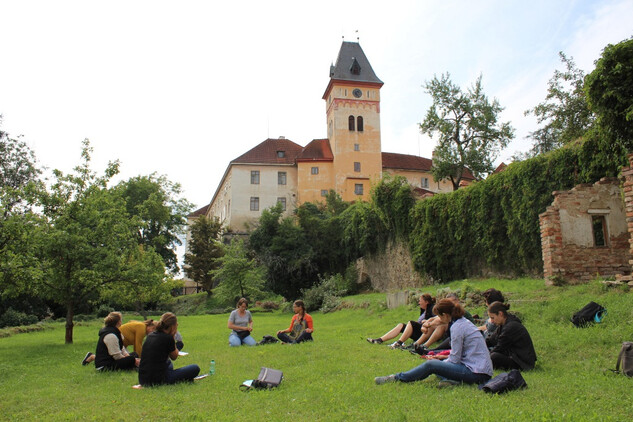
(182,88)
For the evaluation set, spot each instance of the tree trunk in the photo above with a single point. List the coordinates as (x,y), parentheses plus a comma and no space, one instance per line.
(141,310)
(69,323)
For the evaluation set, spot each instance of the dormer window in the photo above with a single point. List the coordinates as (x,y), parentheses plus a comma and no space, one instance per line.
(281,154)
(355,67)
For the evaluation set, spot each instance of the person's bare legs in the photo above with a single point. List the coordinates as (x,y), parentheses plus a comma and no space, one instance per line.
(393,333)
(436,336)
(408,330)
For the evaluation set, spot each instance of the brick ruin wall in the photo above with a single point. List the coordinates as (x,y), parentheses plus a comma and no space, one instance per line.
(391,270)
(567,235)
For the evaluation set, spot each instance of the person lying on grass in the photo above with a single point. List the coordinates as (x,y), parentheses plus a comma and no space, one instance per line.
(512,346)
(111,353)
(301,326)
(156,367)
(469,359)
(133,333)
(434,330)
(412,329)
(241,325)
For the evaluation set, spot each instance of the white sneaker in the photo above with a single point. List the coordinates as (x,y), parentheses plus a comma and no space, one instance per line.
(384,380)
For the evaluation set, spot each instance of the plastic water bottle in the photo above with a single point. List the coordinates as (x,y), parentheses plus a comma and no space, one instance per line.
(212,367)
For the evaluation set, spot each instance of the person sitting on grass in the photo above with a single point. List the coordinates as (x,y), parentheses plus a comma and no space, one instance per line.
(434,330)
(301,326)
(512,346)
(412,329)
(241,325)
(490,296)
(110,353)
(158,352)
(469,360)
(133,333)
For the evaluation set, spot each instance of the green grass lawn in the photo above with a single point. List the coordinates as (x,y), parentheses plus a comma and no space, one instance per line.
(332,378)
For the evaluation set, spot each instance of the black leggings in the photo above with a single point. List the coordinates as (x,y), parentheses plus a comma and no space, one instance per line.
(128,362)
(302,337)
(501,361)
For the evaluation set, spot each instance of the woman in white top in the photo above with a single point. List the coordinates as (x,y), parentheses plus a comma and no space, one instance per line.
(241,325)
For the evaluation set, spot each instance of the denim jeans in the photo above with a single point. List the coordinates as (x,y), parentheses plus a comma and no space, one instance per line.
(234,340)
(451,371)
(186,373)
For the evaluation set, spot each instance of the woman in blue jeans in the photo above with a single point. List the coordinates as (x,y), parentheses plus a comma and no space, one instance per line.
(159,350)
(469,360)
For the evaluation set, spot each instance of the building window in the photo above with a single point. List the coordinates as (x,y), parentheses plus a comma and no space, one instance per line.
(281,200)
(314,170)
(254,203)
(281,178)
(323,192)
(254,177)
(356,147)
(599,227)
(357,166)
(358,188)
(425,182)
(359,125)
(351,123)
(281,154)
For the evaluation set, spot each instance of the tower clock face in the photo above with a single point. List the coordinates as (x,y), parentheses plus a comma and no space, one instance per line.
(357,93)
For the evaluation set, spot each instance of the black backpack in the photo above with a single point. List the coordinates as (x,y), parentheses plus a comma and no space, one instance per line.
(506,381)
(591,312)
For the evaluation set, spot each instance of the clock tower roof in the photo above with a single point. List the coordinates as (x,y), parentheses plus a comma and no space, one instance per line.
(352,66)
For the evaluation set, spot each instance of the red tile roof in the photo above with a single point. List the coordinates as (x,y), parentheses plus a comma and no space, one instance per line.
(317,150)
(199,212)
(267,153)
(392,160)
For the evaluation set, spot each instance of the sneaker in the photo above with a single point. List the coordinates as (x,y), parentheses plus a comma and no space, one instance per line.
(375,340)
(85,361)
(396,345)
(419,350)
(384,380)
(447,383)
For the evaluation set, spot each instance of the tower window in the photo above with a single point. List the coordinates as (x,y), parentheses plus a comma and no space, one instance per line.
(314,170)
(355,67)
(254,203)
(356,147)
(358,188)
(254,177)
(351,121)
(359,125)
(357,167)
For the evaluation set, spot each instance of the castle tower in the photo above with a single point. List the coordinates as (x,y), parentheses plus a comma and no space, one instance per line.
(352,100)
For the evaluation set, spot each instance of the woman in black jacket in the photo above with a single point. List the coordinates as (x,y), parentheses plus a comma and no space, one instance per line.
(511,344)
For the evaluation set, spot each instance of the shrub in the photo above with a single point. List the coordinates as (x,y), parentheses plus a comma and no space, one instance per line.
(12,318)
(104,310)
(323,293)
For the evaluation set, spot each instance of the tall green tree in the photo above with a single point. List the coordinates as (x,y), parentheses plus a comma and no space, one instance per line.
(609,91)
(19,225)
(466,122)
(238,274)
(203,251)
(88,237)
(564,114)
(162,213)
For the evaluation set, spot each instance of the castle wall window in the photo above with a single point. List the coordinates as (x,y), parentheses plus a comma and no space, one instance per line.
(281,178)
(323,192)
(599,226)
(425,182)
(359,124)
(356,147)
(357,166)
(254,177)
(314,170)
(254,203)
(358,189)
(281,200)
(350,124)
